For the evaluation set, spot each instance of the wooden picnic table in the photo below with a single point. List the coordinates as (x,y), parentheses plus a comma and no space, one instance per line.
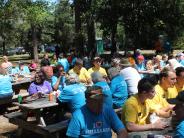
(40,126)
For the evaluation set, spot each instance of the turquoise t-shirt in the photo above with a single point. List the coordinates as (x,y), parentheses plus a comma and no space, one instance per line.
(61,84)
(179,132)
(74,95)
(119,91)
(85,123)
(5,86)
(106,91)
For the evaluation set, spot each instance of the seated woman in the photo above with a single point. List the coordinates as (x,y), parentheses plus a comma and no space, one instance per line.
(40,85)
(5,84)
(58,80)
(32,66)
(6,65)
(21,69)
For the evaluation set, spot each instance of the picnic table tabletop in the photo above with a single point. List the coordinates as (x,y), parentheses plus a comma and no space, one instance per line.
(24,80)
(37,104)
(143,134)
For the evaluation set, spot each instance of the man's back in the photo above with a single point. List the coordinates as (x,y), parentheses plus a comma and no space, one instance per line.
(132,78)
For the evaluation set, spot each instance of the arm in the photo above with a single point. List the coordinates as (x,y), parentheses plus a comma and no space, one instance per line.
(135,127)
(122,134)
(56,85)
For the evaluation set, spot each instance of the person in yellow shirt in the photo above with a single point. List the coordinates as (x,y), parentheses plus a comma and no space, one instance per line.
(165,88)
(179,79)
(97,67)
(84,76)
(137,108)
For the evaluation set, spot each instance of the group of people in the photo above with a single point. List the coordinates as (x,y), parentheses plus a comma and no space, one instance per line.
(142,88)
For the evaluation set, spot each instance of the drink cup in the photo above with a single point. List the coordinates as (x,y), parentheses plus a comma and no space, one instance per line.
(20,99)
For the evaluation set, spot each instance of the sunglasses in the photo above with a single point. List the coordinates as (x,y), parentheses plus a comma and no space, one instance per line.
(61,70)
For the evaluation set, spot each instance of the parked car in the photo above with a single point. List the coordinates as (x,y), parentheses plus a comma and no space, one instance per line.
(50,49)
(20,50)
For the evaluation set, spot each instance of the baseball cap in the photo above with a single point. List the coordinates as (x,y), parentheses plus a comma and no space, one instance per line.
(178,100)
(140,57)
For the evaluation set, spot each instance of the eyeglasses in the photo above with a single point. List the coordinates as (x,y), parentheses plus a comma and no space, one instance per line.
(61,70)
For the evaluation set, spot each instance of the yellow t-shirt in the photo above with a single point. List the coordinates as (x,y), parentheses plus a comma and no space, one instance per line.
(83,74)
(135,112)
(159,100)
(172,93)
(179,89)
(101,70)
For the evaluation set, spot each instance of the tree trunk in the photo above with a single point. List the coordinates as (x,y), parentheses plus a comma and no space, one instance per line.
(78,41)
(35,43)
(4,50)
(113,38)
(91,37)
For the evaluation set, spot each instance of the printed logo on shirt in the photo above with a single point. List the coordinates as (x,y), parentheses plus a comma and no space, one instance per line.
(98,124)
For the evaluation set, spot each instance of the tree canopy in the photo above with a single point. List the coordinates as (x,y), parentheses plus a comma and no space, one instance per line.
(134,24)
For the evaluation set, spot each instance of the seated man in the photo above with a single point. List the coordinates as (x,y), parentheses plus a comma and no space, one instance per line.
(178,118)
(118,88)
(98,80)
(94,120)
(84,76)
(164,90)
(73,93)
(137,108)
(97,67)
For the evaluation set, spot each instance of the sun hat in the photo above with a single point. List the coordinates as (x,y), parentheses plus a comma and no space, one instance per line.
(97,59)
(125,62)
(178,100)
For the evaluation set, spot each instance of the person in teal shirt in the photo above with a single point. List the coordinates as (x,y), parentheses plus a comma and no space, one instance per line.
(5,84)
(58,80)
(118,88)
(73,93)
(98,80)
(94,120)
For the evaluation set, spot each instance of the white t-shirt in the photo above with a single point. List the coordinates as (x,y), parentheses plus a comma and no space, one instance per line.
(132,78)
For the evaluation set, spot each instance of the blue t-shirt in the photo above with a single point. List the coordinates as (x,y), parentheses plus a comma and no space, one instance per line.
(179,132)
(141,67)
(61,84)
(119,91)
(64,63)
(5,86)
(85,123)
(181,62)
(21,72)
(107,91)
(74,95)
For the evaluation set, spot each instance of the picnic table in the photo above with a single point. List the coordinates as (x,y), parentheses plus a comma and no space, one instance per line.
(33,117)
(143,134)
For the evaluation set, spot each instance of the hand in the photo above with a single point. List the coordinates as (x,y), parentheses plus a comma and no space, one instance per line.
(159,125)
